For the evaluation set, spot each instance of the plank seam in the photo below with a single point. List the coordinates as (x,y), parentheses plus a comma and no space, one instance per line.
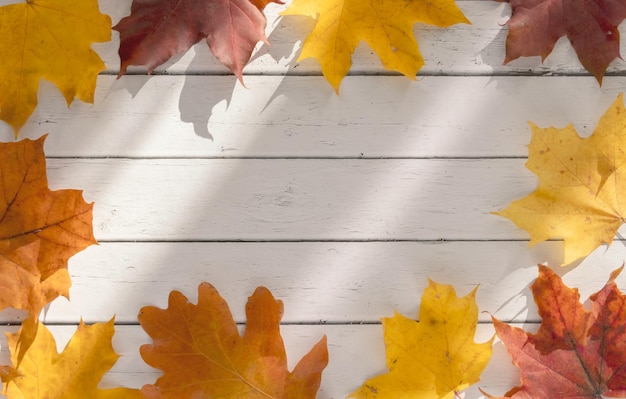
(304,158)
(298,323)
(289,73)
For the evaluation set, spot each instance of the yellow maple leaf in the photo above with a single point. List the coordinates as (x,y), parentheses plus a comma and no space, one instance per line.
(40,372)
(434,358)
(582,185)
(48,39)
(385,25)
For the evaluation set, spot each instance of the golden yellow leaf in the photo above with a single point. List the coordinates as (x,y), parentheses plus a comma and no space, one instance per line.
(582,185)
(434,358)
(73,374)
(48,39)
(385,25)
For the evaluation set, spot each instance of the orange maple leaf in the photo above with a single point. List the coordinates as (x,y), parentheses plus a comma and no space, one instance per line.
(201,353)
(48,39)
(40,372)
(40,229)
(576,353)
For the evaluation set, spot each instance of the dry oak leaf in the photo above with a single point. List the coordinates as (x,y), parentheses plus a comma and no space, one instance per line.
(40,229)
(434,358)
(73,374)
(51,40)
(581,195)
(385,25)
(201,353)
(590,25)
(158,29)
(576,353)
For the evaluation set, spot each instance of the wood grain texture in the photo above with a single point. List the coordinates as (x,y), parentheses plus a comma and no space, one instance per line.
(297,199)
(375,116)
(343,206)
(319,282)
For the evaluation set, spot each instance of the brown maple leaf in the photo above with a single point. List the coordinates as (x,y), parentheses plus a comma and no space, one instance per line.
(590,25)
(201,353)
(158,29)
(40,229)
(576,353)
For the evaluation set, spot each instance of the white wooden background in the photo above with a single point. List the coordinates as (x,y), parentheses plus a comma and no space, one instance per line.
(342,206)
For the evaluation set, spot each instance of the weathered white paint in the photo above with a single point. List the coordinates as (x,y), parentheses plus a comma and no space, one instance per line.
(375,116)
(330,282)
(180,161)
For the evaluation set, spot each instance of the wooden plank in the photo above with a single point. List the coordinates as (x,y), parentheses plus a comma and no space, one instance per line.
(296,199)
(319,282)
(210,116)
(356,353)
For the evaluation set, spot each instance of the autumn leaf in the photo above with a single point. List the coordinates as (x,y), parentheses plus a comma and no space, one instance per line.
(51,40)
(7,373)
(435,357)
(581,194)
(40,229)
(385,25)
(75,373)
(590,25)
(201,353)
(261,4)
(158,29)
(576,353)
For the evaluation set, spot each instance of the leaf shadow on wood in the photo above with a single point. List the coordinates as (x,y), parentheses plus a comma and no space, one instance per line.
(495,52)
(199,113)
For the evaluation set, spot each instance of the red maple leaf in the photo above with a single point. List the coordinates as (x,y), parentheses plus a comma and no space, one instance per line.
(576,353)
(158,29)
(590,25)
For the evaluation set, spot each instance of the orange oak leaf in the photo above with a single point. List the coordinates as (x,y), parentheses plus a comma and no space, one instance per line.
(51,40)
(40,229)
(261,4)
(201,353)
(41,372)
(435,357)
(158,29)
(590,25)
(576,353)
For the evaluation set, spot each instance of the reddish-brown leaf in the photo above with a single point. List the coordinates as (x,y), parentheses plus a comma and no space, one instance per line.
(576,353)
(40,229)
(158,29)
(590,25)
(201,353)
